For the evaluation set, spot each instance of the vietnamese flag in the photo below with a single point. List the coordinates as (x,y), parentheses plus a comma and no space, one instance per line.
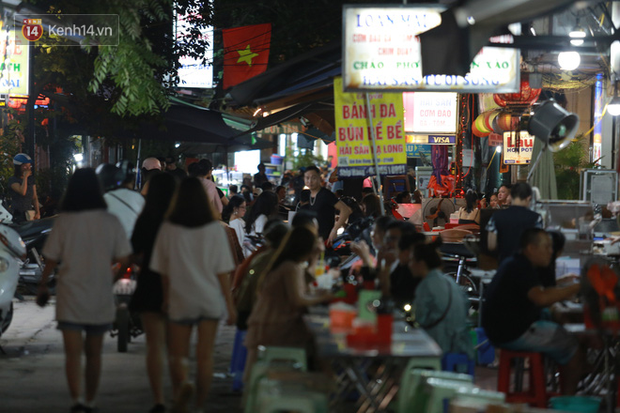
(246,52)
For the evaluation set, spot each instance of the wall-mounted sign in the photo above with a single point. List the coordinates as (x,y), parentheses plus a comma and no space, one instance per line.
(415,150)
(431,112)
(495,139)
(353,133)
(431,139)
(517,151)
(468,158)
(192,72)
(382,52)
(14,79)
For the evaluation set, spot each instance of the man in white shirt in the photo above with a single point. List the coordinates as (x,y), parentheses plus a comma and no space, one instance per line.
(123,202)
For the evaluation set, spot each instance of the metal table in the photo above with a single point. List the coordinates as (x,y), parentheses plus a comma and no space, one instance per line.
(374,371)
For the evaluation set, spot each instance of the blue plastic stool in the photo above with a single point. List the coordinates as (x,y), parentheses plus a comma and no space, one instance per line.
(458,362)
(486,351)
(237,361)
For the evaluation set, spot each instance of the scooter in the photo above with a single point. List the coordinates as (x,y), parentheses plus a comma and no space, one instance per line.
(12,250)
(127,324)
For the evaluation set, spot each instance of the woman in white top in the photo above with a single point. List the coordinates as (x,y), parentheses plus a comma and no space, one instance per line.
(234,211)
(85,240)
(264,208)
(470,214)
(193,256)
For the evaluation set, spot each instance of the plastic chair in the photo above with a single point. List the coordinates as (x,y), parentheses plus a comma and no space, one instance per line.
(237,361)
(483,397)
(486,351)
(438,393)
(290,354)
(537,393)
(259,372)
(276,395)
(408,396)
(458,362)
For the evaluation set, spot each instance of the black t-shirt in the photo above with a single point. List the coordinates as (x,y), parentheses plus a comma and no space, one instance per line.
(402,286)
(509,224)
(323,205)
(178,173)
(507,313)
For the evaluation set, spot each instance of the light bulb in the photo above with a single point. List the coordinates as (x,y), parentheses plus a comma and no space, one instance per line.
(498,149)
(613,107)
(569,60)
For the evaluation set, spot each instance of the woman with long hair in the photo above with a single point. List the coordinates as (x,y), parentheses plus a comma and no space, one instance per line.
(148,297)
(470,214)
(234,212)
(265,206)
(193,256)
(276,318)
(85,239)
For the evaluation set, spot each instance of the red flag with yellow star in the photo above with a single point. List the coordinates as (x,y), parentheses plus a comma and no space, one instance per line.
(246,52)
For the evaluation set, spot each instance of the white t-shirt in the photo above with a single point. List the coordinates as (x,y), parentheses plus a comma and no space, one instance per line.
(239,226)
(192,258)
(86,243)
(126,205)
(259,225)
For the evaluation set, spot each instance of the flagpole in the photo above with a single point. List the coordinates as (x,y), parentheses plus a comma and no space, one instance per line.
(373,149)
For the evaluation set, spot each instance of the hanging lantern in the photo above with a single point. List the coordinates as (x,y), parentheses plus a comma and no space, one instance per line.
(526,96)
(489,117)
(504,121)
(481,124)
(477,132)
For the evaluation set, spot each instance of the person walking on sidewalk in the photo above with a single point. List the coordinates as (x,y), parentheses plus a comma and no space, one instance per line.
(148,297)
(193,256)
(85,240)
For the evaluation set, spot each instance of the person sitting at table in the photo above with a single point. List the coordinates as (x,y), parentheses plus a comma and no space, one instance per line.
(440,306)
(512,310)
(276,318)
(470,214)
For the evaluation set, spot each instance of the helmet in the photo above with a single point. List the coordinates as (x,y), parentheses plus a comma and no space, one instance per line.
(21,158)
(110,176)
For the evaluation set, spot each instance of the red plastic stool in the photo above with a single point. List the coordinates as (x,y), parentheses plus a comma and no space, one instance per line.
(537,393)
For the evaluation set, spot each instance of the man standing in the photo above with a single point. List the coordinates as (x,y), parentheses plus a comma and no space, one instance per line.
(261,177)
(171,167)
(512,310)
(325,204)
(202,170)
(506,226)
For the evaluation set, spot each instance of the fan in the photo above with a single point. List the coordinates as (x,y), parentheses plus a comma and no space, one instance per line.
(600,290)
(436,211)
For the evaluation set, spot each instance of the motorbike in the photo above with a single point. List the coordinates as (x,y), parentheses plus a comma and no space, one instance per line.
(34,234)
(127,324)
(12,250)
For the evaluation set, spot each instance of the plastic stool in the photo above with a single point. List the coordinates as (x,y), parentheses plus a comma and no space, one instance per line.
(486,351)
(476,393)
(429,363)
(293,403)
(291,354)
(458,362)
(410,386)
(237,361)
(439,392)
(537,393)
(277,395)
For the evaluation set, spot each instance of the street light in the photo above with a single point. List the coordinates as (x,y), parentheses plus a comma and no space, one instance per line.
(569,60)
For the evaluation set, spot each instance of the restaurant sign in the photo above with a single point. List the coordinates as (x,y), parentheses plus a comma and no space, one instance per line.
(431,112)
(382,52)
(353,133)
(14,69)
(518,151)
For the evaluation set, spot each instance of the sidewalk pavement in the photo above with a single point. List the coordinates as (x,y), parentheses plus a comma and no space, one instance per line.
(32,375)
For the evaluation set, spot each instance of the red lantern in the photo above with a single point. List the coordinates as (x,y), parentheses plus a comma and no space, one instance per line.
(525,97)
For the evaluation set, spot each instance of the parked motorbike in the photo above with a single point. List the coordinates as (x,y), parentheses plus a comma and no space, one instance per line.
(127,324)
(34,234)
(12,249)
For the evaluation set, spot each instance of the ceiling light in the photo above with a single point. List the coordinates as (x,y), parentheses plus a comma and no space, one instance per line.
(613,107)
(569,60)
(577,35)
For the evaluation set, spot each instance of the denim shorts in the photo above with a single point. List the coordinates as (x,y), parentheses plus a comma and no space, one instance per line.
(88,328)
(548,338)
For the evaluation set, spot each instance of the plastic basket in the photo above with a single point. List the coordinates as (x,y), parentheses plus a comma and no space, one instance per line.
(276,159)
(582,404)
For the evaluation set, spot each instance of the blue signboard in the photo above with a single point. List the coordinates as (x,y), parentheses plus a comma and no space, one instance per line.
(442,139)
(415,150)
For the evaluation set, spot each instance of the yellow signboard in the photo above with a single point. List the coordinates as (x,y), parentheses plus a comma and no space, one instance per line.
(518,151)
(14,73)
(353,138)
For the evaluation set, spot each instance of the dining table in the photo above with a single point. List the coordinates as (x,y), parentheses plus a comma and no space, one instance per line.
(372,371)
